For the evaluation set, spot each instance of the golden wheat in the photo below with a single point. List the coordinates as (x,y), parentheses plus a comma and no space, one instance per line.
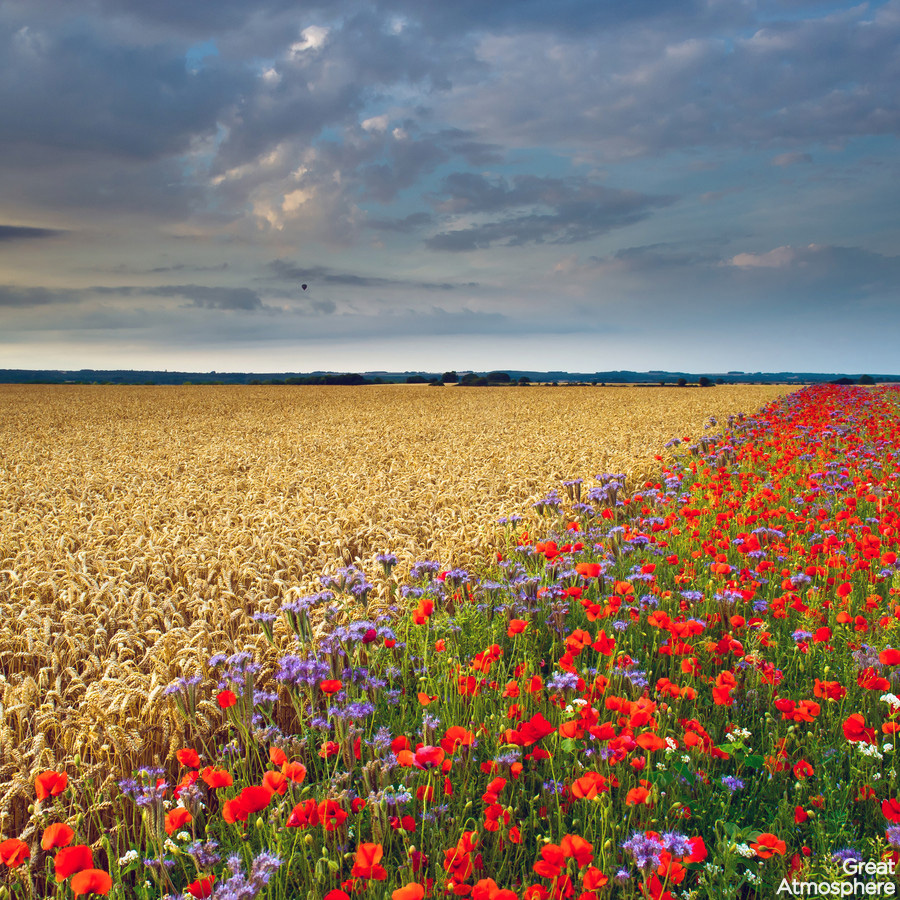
(140,527)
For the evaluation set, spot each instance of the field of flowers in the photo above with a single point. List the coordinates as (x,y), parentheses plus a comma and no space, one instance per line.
(141,527)
(681,688)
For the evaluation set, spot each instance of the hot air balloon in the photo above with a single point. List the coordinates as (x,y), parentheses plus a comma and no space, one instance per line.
(303,286)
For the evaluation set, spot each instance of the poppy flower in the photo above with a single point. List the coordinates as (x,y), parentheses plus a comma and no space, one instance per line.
(428,757)
(330,686)
(275,782)
(216,778)
(637,796)
(56,835)
(234,811)
(14,852)
(303,815)
(576,847)
(855,729)
(225,699)
(331,814)
(277,756)
(551,863)
(890,809)
(202,887)
(50,783)
(255,798)
(456,736)
(176,818)
(516,626)
(71,860)
(594,879)
(767,844)
(189,758)
(366,863)
(294,771)
(336,894)
(91,881)
(411,891)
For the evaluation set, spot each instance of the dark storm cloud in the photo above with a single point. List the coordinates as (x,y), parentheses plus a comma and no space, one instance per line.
(578,210)
(22,232)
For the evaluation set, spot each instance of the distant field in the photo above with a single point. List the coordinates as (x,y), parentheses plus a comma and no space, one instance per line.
(141,526)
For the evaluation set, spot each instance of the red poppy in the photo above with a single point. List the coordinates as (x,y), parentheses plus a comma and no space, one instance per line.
(56,835)
(855,729)
(331,815)
(411,891)
(767,844)
(277,756)
(698,850)
(176,818)
(637,796)
(576,847)
(50,783)
(91,881)
(226,699)
(331,686)
(202,887)
(255,798)
(234,811)
(294,771)
(551,863)
(189,758)
(891,810)
(428,757)
(366,864)
(303,815)
(71,860)
(14,852)
(216,778)
(275,782)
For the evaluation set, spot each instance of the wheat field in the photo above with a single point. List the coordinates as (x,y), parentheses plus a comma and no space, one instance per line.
(140,527)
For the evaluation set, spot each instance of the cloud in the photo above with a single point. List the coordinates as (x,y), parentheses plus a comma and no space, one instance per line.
(283,270)
(703,82)
(23,232)
(406,225)
(836,270)
(779,258)
(16,296)
(559,210)
(203,297)
(791,159)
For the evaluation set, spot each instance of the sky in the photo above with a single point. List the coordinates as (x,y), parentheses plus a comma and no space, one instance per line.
(583,185)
